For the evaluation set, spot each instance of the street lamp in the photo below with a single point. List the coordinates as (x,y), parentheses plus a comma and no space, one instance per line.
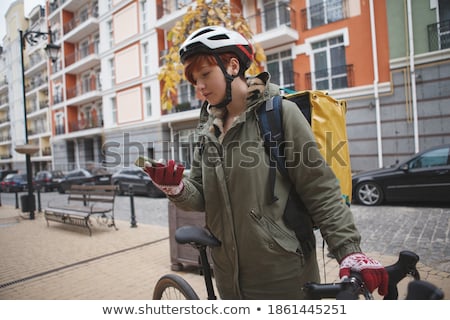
(32,38)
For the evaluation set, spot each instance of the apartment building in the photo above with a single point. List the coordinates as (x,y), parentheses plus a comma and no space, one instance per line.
(388,58)
(35,84)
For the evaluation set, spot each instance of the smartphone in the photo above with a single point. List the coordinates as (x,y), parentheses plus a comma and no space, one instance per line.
(141,160)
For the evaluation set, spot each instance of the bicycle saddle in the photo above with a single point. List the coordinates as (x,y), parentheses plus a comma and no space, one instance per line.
(196,235)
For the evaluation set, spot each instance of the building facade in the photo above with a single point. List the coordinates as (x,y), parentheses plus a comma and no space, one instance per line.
(31,85)
(390,59)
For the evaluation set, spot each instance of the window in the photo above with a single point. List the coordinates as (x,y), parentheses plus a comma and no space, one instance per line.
(329,64)
(434,158)
(281,69)
(146,59)
(89,150)
(188,141)
(59,123)
(57,94)
(113,71)
(84,14)
(84,48)
(144,15)
(70,144)
(98,83)
(444,24)
(148,101)
(325,11)
(276,13)
(111,33)
(85,87)
(186,92)
(96,42)
(114,110)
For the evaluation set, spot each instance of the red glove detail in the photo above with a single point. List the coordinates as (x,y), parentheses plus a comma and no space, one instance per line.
(373,273)
(169,175)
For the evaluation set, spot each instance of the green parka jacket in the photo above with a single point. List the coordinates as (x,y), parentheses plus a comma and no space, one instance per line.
(260,258)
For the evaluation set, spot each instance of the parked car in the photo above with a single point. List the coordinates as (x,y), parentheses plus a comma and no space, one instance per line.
(5,172)
(48,180)
(14,182)
(424,177)
(83,176)
(138,180)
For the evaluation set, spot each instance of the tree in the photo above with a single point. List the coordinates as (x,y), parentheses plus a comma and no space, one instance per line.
(215,12)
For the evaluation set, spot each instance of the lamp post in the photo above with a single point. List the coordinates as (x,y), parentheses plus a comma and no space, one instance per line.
(32,38)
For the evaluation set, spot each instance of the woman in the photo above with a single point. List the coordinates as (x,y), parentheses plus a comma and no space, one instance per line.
(259,256)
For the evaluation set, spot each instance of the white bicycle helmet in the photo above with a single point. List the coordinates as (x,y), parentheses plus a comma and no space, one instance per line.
(217,40)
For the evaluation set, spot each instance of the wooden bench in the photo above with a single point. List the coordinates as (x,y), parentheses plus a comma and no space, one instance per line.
(83,203)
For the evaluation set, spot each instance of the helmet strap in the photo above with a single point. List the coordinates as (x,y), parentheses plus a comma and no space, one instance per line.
(229,79)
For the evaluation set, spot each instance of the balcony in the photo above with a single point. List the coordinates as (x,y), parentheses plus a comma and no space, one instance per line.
(4,85)
(170,12)
(274,26)
(439,36)
(87,90)
(82,25)
(36,82)
(4,101)
(339,77)
(36,63)
(4,119)
(83,59)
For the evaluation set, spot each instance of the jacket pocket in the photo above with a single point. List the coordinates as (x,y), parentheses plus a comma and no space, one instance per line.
(283,238)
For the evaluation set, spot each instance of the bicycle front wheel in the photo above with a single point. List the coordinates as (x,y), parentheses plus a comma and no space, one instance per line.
(173,287)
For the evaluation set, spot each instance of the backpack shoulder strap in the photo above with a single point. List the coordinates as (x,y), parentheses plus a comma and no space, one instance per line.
(270,120)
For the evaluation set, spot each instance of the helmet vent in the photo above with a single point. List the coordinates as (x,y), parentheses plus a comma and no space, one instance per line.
(219,37)
(202,32)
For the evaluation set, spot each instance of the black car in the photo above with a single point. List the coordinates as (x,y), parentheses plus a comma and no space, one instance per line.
(139,181)
(48,180)
(14,182)
(83,176)
(425,177)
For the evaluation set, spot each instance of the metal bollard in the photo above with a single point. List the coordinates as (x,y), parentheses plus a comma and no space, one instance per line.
(17,199)
(133,215)
(39,199)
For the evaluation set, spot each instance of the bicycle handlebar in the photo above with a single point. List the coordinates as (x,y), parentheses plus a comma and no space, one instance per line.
(348,289)
(352,287)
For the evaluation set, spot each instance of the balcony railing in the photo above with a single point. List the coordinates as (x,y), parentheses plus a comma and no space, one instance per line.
(36,82)
(272,17)
(168,7)
(83,87)
(439,35)
(92,122)
(81,53)
(320,14)
(76,21)
(4,119)
(339,77)
(4,100)
(59,129)
(58,98)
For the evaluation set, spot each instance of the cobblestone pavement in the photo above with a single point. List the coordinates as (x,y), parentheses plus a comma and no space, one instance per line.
(62,262)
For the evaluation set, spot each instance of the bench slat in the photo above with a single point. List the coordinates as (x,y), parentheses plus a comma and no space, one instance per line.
(92,196)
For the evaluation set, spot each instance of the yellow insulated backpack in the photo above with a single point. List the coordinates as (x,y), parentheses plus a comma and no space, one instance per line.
(326,116)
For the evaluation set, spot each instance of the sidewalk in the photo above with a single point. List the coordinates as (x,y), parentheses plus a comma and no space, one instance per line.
(63,262)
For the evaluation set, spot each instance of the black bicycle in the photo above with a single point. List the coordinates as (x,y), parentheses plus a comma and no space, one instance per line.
(174,287)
